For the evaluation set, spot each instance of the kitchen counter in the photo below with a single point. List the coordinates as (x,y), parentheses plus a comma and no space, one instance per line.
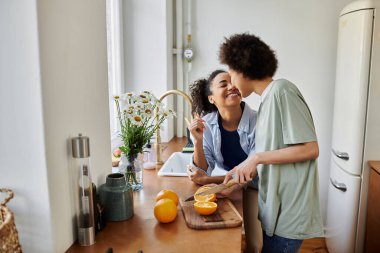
(143,232)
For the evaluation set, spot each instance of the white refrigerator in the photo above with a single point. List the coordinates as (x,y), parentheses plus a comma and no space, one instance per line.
(356,125)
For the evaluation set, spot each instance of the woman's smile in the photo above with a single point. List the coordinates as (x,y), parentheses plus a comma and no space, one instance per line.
(234,93)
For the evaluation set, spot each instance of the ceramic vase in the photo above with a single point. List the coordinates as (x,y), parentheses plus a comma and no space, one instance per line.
(117,197)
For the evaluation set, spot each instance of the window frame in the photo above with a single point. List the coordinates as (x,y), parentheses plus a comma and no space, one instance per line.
(115,62)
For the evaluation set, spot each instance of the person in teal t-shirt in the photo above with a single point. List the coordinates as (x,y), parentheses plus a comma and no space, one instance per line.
(286,147)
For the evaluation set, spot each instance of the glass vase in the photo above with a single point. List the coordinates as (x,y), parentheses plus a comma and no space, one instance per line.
(131,166)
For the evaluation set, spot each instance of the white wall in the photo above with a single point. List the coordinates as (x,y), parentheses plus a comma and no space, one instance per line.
(22,151)
(53,85)
(75,99)
(304,36)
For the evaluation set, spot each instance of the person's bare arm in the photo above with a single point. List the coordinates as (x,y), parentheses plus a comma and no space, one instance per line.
(246,170)
(201,178)
(196,128)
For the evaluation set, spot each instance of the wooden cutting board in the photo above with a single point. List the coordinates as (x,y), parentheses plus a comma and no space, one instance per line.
(226,216)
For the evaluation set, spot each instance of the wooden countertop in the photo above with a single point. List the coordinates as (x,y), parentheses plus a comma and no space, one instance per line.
(143,232)
(375,165)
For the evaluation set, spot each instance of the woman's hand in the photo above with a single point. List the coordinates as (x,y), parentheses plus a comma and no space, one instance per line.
(196,128)
(196,175)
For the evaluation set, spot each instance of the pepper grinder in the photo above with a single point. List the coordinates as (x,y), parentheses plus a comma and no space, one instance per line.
(85,201)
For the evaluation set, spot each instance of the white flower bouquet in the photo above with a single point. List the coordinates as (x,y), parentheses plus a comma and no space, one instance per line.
(138,123)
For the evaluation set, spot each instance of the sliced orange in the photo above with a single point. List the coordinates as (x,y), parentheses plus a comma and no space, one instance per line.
(205,208)
(205,198)
(165,210)
(167,194)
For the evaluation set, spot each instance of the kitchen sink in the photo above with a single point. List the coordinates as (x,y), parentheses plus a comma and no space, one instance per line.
(177,163)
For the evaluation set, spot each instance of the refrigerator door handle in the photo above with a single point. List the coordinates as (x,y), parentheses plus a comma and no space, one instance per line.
(339,186)
(341,155)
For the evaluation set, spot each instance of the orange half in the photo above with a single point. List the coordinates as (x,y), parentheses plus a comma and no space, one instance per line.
(205,208)
(205,198)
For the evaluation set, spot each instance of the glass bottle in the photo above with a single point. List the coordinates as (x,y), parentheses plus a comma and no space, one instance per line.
(84,196)
(149,157)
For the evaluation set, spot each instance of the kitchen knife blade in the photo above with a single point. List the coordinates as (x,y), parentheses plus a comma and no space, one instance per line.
(218,188)
(190,198)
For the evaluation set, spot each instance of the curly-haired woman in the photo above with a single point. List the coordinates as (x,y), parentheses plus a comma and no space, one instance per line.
(286,146)
(224,137)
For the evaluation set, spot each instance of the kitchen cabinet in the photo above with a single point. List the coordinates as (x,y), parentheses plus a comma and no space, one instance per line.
(372,242)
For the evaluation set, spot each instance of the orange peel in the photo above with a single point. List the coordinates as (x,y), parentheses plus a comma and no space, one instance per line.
(165,210)
(168,194)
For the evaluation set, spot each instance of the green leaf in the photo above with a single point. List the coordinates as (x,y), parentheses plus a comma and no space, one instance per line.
(124,149)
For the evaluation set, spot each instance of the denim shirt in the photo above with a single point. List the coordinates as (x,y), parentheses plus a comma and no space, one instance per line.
(212,140)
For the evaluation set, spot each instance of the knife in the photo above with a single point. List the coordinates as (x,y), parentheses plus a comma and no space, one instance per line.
(215,189)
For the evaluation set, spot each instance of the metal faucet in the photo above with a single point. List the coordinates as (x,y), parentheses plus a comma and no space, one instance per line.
(158,136)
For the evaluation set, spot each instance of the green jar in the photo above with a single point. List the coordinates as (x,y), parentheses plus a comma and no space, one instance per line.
(117,197)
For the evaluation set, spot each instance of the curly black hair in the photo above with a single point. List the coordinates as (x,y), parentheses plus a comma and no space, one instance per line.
(199,92)
(248,54)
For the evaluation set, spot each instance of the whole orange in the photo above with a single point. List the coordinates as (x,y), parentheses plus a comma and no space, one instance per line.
(165,210)
(167,194)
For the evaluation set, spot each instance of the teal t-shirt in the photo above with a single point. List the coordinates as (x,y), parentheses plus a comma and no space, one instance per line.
(288,193)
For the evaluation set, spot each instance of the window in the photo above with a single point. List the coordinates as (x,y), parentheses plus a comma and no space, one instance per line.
(115,59)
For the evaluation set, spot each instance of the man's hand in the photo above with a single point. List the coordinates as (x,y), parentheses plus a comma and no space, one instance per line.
(244,172)
(227,192)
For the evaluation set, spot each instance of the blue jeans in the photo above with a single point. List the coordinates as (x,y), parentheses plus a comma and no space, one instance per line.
(278,244)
